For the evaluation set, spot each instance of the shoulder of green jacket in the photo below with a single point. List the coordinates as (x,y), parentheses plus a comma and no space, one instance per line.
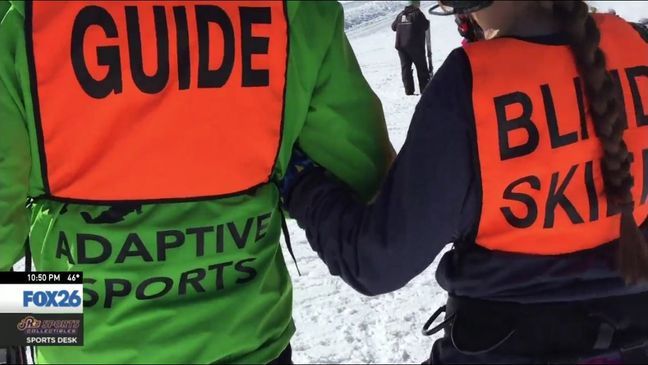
(327,9)
(18,6)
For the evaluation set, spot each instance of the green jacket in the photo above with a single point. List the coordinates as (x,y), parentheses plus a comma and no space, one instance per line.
(196,281)
(4,6)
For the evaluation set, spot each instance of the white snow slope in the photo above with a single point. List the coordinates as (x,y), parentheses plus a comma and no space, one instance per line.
(335,324)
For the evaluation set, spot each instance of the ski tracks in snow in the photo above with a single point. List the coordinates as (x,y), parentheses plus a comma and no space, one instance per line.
(335,324)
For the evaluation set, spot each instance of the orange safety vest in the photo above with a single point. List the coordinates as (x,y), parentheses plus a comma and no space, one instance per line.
(539,155)
(139,101)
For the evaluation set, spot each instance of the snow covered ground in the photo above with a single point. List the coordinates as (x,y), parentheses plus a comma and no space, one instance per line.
(334,323)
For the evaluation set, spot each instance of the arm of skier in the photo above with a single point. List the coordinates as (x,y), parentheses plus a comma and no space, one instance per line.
(422,206)
(15,158)
(345,130)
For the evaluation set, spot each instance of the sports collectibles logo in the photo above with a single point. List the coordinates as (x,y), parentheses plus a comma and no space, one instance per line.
(28,323)
(33,326)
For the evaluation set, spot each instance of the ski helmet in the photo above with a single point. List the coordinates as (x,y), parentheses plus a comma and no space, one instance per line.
(414,3)
(446,7)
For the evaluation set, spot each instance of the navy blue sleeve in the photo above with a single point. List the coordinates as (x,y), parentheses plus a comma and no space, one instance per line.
(427,201)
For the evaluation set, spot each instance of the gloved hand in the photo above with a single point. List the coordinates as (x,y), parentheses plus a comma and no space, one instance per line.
(300,165)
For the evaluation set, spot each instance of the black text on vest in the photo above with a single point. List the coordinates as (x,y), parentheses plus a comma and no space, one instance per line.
(523,123)
(544,196)
(206,15)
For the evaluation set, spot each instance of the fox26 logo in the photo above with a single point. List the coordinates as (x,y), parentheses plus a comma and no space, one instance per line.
(54,298)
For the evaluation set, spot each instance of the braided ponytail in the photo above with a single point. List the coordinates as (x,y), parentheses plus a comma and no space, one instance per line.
(606,109)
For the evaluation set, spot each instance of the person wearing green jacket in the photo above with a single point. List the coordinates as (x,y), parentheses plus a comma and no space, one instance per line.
(147,140)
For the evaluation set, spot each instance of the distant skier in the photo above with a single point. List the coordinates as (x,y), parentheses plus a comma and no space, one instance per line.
(410,26)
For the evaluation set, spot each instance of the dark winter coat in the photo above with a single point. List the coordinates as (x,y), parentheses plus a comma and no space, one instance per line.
(410,26)
(427,202)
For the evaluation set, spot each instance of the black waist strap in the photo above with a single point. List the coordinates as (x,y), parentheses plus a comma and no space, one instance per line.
(546,331)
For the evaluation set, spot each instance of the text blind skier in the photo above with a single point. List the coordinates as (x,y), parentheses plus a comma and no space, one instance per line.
(524,204)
